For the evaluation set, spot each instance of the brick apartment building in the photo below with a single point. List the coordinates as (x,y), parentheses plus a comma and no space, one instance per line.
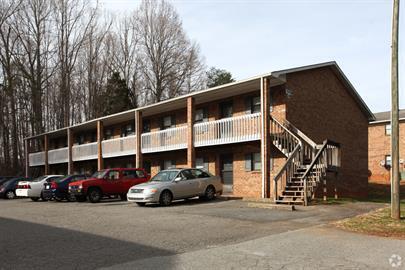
(279,135)
(379,144)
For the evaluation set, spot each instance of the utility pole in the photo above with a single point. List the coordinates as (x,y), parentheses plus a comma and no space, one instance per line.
(395,198)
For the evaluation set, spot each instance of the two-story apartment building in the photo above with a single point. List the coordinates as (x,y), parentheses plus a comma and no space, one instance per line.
(379,145)
(278,135)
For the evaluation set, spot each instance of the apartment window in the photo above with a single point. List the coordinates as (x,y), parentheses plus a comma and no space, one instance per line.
(388,161)
(388,129)
(168,122)
(253,162)
(253,105)
(201,163)
(201,115)
(93,137)
(80,139)
(146,126)
(168,164)
(108,134)
(128,130)
(226,109)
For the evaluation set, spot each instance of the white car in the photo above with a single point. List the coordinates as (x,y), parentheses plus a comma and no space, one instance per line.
(33,189)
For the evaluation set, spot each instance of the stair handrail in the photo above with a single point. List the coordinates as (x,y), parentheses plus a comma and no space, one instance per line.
(316,160)
(286,129)
(284,168)
(301,134)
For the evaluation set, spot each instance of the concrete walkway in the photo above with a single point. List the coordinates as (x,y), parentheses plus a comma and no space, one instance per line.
(318,247)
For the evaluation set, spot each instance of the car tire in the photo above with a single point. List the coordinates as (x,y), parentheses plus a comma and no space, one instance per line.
(57,199)
(34,199)
(141,204)
(165,198)
(80,198)
(9,195)
(43,198)
(94,195)
(209,193)
(123,197)
(70,198)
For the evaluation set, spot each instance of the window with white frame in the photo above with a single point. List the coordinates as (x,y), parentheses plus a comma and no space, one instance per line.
(388,129)
(253,105)
(168,164)
(201,115)
(128,130)
(253,162)
(201,163)
(168,122)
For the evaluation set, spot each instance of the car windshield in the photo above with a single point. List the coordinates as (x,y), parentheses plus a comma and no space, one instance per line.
(164,176)
(39,179)
(99,174)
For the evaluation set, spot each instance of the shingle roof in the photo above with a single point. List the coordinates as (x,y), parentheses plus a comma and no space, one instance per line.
(386,116)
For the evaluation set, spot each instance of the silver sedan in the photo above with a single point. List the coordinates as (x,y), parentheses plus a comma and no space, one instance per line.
(174,184)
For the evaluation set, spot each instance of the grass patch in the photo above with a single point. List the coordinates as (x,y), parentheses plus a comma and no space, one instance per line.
(378,222)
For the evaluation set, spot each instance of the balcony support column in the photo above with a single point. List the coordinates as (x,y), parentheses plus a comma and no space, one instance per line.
(100,137)
(70,155)
(46,149)
(138,128)
(27,162)
(190,132)
(265,137)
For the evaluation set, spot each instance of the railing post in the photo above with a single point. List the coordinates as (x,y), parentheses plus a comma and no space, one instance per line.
(46,148)
(138,146)
(27,162)
(190,133)
(305,192)
(70,153)
(100,136)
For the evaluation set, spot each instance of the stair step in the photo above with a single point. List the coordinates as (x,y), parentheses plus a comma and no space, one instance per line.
(289,202)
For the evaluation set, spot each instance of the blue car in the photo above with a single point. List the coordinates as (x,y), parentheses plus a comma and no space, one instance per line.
(59,189)
(7,189)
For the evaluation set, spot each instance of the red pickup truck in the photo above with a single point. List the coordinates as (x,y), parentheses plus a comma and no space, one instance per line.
(116,181)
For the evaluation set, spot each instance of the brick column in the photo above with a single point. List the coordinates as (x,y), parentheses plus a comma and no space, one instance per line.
(46,148)
(190,133)
(27,162)
(138,128)
(100,137)
(70,155)
(265,138)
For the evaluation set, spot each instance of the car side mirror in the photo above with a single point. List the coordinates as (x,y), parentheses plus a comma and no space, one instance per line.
(177,179)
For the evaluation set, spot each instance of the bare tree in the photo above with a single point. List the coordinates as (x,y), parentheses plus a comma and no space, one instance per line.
(171,64)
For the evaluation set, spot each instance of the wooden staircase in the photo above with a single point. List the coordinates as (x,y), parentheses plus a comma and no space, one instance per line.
(306,165)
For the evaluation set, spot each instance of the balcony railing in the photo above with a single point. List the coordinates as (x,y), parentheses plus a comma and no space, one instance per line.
(85,151)
(165,140)
(58,155)
(37,159)
(119,147)
(229,130)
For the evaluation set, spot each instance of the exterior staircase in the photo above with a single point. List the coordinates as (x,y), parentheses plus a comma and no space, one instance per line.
(306,166)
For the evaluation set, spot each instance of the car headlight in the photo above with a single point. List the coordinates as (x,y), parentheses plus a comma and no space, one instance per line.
(151,191)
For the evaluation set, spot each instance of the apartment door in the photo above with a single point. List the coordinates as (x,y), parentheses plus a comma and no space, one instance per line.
(227,172)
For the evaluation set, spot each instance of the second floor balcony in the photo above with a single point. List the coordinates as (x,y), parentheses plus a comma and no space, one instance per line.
(223,131)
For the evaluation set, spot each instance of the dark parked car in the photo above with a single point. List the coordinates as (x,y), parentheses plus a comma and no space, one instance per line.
(6,178)
(7,189)
(59,189)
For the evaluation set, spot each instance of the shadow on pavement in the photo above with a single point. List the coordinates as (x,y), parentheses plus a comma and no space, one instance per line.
(26,245)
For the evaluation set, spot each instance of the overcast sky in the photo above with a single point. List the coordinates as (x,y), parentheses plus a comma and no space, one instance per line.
(249,38)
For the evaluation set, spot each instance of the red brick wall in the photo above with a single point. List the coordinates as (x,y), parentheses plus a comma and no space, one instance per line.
(379,146)
(322,108)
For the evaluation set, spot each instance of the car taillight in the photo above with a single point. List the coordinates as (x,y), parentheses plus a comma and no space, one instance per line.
(24,186)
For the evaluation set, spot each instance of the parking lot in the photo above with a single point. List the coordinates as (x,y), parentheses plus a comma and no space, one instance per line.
(58,235)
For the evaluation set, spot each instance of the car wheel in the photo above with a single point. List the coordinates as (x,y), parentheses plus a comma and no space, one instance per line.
(70,198)
(80,198)
(209,193)
(166,198)
(10,195)
(35,199)
(123,197)
(141,203)
(94,195)
(43,198)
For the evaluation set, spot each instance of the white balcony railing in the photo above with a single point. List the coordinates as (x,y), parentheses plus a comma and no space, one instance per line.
(229,130)
(58,155)
(119,147)
(37,159)
(85,151)
(165,140)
